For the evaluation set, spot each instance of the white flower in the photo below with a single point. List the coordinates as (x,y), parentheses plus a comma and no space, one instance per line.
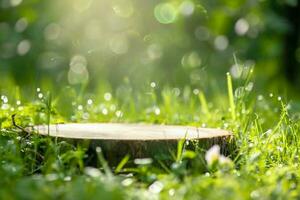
(212,155)
(223,160)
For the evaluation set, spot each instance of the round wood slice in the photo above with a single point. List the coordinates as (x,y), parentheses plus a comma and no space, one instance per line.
(135,132)
(136,140)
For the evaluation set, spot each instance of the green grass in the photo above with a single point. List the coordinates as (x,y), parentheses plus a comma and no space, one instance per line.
(261,160)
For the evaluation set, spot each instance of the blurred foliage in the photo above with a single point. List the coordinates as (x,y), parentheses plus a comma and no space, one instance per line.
(98,42)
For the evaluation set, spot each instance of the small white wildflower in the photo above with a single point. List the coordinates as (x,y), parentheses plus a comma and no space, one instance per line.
(127,182)
(212,155)
(156,187)
(172,192)
(225,160)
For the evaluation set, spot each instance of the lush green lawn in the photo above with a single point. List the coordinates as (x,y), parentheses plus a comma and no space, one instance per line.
(260,162)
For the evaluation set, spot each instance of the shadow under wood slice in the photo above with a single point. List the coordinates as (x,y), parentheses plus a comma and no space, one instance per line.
(137,140)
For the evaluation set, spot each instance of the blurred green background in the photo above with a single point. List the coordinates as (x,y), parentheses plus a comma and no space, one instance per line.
(104,43)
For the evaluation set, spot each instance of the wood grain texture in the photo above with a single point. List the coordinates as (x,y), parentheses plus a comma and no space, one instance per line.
(128,132)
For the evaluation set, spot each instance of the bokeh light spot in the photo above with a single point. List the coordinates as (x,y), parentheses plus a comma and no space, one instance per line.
(241,27)
(78,72)
(21,25)
(23,47)
(221,42)
(82,5)
(202,33)
(154,51)
(165,13)
(119,44)
(187,8)
(191,60)
(15,2)
(52,31)
(123,9)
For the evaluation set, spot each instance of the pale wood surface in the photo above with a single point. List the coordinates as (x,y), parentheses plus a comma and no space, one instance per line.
(137,132)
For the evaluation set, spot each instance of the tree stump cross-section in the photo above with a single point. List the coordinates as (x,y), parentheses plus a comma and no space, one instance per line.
(135,132)
(138,140)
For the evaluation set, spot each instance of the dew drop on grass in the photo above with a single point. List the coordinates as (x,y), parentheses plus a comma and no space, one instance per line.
(239,92)
(112,107)
(104,111)
(271,95)
(196,91)
(89,101)
(119,113)
(249,87)
(18,102)
(107,96)
(40,95)
(153,84)
(80,107)
(279,98)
